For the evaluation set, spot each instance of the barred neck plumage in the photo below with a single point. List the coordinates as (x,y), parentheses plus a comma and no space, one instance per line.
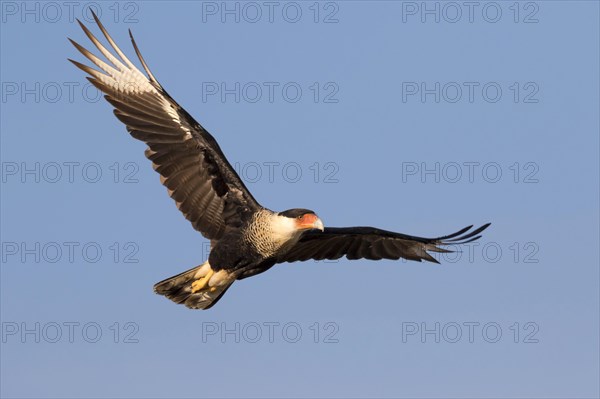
(269,232)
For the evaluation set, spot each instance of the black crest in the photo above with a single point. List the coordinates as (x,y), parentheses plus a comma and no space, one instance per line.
(295,212)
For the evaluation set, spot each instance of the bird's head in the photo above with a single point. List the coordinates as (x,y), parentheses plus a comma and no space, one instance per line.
(303,219)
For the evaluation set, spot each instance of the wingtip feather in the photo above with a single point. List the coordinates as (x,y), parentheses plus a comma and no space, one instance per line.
(143,61)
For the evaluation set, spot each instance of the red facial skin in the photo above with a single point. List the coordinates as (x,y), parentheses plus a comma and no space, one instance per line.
(307,221)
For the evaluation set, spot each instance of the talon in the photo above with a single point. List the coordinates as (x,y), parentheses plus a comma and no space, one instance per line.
(201,282)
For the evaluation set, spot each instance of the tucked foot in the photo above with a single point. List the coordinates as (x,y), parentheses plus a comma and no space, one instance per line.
(201,282)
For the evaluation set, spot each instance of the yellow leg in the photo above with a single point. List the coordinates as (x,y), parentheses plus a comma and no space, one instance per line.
(201,282)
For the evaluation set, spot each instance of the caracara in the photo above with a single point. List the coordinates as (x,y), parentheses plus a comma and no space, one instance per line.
(246,238)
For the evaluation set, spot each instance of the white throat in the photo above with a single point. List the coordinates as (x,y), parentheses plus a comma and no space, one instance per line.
(284,230)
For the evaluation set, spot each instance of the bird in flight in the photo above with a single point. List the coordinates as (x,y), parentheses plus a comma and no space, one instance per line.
(246,238)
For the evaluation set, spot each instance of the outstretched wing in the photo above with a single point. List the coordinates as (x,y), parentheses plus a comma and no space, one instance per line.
(205,187)
(372,243)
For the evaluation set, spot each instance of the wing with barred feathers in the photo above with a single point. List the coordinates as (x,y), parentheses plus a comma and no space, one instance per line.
(374,244)
(204,185)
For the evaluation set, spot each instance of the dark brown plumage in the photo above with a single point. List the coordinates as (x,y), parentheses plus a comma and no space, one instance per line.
(246,238)
(374,244)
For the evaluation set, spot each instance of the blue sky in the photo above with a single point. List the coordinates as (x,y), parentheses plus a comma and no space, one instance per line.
(415,117)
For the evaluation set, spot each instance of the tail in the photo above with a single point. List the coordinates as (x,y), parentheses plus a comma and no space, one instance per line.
(197,288)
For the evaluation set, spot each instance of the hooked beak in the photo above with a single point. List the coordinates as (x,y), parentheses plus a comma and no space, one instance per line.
(318,225)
